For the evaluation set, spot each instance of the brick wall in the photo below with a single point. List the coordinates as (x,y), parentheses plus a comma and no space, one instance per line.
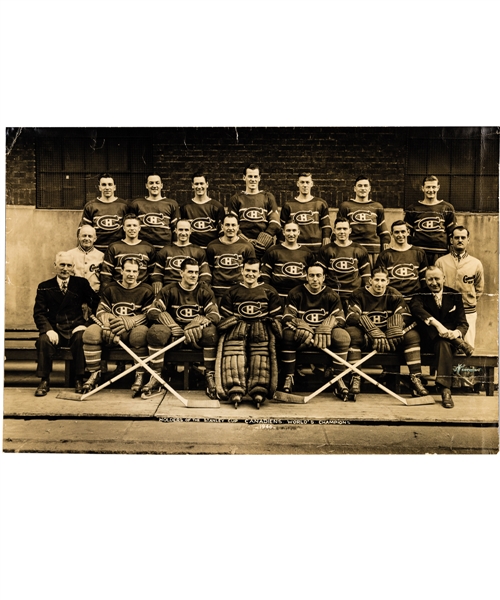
(335,156)
(21,168)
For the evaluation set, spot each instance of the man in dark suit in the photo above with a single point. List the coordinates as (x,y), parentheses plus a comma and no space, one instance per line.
(440,314)
(59,317)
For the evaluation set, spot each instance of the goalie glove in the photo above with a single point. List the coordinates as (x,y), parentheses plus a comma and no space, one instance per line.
(264,241)
(375,335)
(323,333)
(194,330)
(394,332)
(165,318)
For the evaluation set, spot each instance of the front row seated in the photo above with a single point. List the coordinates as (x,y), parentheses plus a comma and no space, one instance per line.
(241,343)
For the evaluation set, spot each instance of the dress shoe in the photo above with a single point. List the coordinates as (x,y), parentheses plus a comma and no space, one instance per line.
(78,386)
(447,400)
(43,388)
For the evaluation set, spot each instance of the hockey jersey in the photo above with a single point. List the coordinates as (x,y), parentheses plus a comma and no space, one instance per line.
(158,219)
(126,302)
(406,269)
(107,219)
(120,251)
(346,267)
(184,305)
(378,308)
(251,304)
(283,268)
(430,225)
(205,220)
(225,262)
(167,267)
(313,219)
(256,213)
(314,308)
(367,221)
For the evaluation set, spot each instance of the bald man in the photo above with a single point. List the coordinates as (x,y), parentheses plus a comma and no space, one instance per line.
(59,318)
(87,258)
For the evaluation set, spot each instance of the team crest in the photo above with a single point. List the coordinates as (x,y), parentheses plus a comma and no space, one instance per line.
(202,224)
(154,220)
(344,265)
(250,309)
(187,312)
(379,317)
(315,316)
(107,222)
(429,224)
(174,262)
(254,214)
(364,217)
(227,261)
(124,309)
(304,217)
(293,269)
(404,271)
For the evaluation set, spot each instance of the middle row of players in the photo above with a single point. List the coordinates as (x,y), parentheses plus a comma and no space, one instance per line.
(346,263)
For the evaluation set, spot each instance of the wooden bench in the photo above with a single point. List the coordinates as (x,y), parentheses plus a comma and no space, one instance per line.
(20,345)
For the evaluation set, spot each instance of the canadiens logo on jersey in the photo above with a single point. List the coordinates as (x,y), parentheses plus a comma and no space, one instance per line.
(123,309)
(468,279)
(140,258)
(344,264)
(254,214)
(227,261)
(404,271)
(187,312)
(202,224)
(95,269)
(364,216)
(294,269)
(304,217)
(154,220)
(250,309)
(379,317)
(429,224)
(315,316)
(107,222)
(174,262)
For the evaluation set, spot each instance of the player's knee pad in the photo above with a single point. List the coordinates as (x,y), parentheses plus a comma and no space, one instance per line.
(341,340)
(158,336)
(411,338)
(209,337)
(92,335)
(357,337)
(138,335)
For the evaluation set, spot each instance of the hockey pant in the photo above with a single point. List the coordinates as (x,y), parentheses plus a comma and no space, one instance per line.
(160,336)
(340,345)
(92,344)
(410,347)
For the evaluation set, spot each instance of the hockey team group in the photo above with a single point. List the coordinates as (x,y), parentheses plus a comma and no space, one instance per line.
(252,286)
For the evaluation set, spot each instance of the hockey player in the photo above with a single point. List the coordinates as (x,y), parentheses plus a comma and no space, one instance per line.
(122,310)
(157,214)
(314,317)
(226,255)
(465,274)
(87,258)
(167,268)
(431,221)
(204,214)
(105,213)
(346,264)
(257,212)
(405,264)
(246,358)
(367,219)
(186,307)
(310,213)
(284,265)
(378,314)
(129,247)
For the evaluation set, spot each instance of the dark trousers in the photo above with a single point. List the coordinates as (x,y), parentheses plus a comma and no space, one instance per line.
(443,351)
(46,351)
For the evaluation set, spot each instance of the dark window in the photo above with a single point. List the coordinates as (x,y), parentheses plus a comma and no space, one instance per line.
(68,168)
(464,159)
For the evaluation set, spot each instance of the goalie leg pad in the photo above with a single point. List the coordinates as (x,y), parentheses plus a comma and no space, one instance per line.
(233,367)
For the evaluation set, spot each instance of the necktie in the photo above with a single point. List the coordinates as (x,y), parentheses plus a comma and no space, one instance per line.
(64,287)
(438,300)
